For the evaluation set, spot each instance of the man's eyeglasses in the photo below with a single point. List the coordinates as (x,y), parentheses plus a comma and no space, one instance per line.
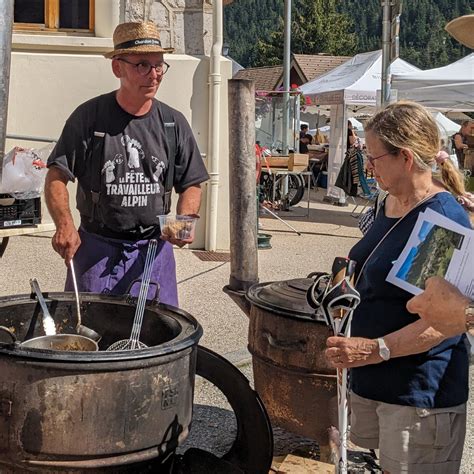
(144,67)
(371,159)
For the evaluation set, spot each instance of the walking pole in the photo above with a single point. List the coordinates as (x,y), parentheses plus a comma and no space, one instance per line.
(276,216)
(336,298)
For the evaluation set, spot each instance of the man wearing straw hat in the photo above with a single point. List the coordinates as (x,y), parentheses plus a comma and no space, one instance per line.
(127,151)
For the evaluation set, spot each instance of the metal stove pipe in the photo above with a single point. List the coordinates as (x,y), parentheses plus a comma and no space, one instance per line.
(6,26)
(243,197)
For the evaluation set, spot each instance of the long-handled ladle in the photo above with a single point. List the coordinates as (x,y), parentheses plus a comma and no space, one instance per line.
(80,328)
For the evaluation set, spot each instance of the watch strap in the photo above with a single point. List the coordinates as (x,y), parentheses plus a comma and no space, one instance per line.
(469,312)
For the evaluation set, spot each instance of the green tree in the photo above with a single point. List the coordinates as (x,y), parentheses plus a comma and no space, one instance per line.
(254,29)
(316,27)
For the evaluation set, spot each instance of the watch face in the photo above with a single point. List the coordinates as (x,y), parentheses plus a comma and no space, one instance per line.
(384,351)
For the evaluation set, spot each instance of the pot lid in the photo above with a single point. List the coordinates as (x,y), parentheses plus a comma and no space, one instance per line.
(287,298)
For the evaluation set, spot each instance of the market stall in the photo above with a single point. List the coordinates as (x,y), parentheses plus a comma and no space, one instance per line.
(352,86)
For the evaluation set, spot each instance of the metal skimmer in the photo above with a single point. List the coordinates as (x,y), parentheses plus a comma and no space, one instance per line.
(133,342)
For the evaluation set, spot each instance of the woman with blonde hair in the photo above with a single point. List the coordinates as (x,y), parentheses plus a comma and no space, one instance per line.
(453,180)
(409,383)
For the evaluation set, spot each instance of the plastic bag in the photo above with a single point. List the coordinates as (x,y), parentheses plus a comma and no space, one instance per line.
(24,172)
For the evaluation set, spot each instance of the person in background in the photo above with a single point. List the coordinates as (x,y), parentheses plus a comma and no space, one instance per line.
(443,307)
(351,135)
(118,148)
(305,138)
(409,383)
(459,140)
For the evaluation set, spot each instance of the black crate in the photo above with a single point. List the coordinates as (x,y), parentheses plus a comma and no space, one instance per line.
(19,212)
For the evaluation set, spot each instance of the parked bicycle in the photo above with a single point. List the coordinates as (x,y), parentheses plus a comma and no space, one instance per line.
(281,192)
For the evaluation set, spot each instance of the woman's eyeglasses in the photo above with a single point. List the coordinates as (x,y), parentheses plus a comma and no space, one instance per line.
(144,67)
(371,159)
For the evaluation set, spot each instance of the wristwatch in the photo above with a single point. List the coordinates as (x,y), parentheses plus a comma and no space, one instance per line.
(469,312)
(384,351)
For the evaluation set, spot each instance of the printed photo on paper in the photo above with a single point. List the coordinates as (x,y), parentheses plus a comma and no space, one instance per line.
(437,247)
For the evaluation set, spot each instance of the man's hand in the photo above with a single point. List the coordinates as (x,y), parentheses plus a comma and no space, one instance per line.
(348,352)
(442,306)
(66,241)
(178,242)
(189,202)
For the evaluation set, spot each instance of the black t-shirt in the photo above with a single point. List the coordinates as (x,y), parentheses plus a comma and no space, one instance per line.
(459,151)
(304,146)
(134,162)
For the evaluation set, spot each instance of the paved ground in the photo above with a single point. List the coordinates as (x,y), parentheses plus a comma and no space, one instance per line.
(329,231)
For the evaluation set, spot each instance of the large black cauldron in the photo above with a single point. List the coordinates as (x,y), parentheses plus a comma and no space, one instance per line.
(86,410)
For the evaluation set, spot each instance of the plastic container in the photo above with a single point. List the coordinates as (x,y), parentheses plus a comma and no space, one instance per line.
(178,227)
(323,180)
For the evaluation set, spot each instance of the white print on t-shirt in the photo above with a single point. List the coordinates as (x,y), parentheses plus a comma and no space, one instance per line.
(134,150)
(135,188)
(108,169)
(131,185)
(160,167)
(118,159)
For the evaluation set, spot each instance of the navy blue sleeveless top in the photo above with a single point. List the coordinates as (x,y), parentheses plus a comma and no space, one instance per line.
(437,378)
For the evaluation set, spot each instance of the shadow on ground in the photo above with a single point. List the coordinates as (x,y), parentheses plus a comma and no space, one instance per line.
(213,429)
(321,216)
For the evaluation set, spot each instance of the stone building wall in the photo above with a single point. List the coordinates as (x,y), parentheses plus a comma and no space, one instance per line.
(186,25)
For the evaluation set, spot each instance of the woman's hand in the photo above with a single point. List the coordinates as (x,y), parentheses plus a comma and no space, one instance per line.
(348,352)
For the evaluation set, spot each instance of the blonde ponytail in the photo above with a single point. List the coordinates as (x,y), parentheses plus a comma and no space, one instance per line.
(451,178)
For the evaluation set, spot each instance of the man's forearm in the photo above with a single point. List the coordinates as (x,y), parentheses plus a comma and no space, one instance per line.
(189,201)
(415,338)
(57,197)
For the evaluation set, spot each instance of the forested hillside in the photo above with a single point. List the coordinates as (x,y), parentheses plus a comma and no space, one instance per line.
(254,29)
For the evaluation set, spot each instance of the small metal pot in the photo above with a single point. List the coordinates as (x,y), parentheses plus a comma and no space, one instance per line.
(58,342)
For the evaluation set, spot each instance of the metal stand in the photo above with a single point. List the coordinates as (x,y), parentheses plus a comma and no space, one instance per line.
(276,216)
(285,173)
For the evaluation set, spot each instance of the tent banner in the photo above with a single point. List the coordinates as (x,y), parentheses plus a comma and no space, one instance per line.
(327,98)
(360,97)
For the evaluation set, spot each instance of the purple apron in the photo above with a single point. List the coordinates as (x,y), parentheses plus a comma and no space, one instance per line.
(111,266)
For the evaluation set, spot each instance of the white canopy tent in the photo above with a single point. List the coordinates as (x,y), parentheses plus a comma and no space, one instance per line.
(353,85)
(446,126)
(356,125)
(444,88)
(354,82)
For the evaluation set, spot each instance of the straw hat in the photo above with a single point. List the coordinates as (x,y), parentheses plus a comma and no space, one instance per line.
(136,38)
(461,29)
